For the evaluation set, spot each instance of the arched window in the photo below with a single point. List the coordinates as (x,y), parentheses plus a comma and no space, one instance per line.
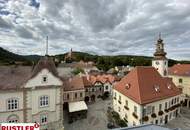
(13,119)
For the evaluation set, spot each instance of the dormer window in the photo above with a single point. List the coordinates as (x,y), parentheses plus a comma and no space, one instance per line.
(156,88)
(128,85)
(44,79)
(169,86)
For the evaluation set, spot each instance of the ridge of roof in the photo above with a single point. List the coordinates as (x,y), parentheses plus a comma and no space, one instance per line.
(45,63)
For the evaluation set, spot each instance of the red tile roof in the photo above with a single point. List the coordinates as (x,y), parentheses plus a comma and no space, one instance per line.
(180,70)
(74,83)
(142,82)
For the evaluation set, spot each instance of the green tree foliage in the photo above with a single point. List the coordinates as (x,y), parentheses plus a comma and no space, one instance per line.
(77,71)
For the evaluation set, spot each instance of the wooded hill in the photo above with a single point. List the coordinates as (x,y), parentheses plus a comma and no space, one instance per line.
(102,62)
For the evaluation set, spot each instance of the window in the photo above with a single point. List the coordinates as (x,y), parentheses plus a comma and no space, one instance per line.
(135,109)
(156,122)
(180,80)
(80,94)
(144,112)
(75,95)
(134,124)
(160,107)
(126,103)
(115,94)
(119,109)
(44,101)
(43,119)
(126,117)
(12,104)
(119,98)
(106,87)
(166,105)
(92,89)
(13,121)
(153,109)
(149,110)
(177,99)
(172,101)
(100,88)
(67,96)
(161,120)
(86,90)
(44,79)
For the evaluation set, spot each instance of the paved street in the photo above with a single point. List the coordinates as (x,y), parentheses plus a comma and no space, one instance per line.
(182,122)
(96,118)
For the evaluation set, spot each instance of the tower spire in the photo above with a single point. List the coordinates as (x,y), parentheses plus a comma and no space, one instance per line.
(46,45)
(159,35)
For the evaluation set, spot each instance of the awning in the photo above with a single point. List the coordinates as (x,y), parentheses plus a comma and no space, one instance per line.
(77,106)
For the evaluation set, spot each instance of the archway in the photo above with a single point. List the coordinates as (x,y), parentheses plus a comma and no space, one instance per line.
(93,98)
(13,118)
(86,99)
(106,94)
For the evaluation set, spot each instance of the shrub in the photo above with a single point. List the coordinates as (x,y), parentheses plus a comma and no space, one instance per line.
(166,110)
(135,115)
(122,123)
(126,107)
(153,115)
(145,118)
(160,113)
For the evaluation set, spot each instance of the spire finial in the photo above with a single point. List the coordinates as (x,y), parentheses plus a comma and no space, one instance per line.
(159,35)
(46,45)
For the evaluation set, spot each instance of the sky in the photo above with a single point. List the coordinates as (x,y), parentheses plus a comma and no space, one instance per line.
(103,27)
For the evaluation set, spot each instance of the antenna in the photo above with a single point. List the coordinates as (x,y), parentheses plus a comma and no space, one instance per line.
(46,45)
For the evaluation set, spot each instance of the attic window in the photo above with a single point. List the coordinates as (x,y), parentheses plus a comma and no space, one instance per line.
(128,85)
(44,79)
(156,88)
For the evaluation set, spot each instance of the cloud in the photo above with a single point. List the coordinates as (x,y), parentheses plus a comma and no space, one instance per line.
(104,27)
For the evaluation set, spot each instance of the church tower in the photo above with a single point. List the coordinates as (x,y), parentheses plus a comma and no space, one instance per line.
(160,62)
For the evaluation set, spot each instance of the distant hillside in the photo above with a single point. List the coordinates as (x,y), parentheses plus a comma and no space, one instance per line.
(33,58)
(102,62)
(107,62)
(9,58)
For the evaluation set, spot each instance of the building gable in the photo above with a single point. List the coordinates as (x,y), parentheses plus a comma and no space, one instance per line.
(44,78)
